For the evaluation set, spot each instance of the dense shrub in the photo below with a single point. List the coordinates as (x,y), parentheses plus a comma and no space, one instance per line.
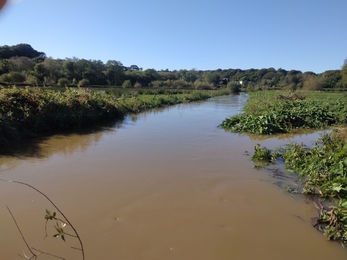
(83,83)
(12,77)
(28,112)
(32,80)
(202,85)
(234,87)
(63,82)
(127,84)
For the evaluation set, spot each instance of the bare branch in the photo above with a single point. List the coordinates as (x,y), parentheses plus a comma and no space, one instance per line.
(20,232)
(45,253)
(56,207)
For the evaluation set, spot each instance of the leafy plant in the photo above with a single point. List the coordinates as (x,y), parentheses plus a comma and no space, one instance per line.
(29,112)
(261,154)
(283,115)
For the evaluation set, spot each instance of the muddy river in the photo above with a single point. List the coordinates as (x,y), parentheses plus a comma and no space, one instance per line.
(165,184)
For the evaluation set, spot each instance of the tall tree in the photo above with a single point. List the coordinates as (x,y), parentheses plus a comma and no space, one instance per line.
(114,72)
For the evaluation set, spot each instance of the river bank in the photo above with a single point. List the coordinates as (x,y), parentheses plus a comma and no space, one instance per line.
(161,184)
(321,169)
(31,112)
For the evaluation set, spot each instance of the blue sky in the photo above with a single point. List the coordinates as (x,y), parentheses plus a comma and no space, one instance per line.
(307,35)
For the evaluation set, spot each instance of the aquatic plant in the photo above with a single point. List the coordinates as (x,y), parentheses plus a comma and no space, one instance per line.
(264,155)
(283,115)
(323,171)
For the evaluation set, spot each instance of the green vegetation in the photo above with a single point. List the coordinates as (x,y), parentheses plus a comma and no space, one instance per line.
(21,64)
(29,112)
(278,113)
(322,171)
(263,155)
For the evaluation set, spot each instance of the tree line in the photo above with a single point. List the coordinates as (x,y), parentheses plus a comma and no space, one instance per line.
(23,64)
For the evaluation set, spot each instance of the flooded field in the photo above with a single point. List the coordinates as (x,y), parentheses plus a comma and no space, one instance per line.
(165,184)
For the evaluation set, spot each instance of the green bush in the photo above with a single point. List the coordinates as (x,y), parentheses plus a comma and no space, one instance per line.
(234,87)
(138,85)
(200,85)
(322,170)
(127,84)
(83,83)
(63,82)
(12,77)
(32,80)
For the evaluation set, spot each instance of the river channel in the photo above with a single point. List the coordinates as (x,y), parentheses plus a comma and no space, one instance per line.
(163,184)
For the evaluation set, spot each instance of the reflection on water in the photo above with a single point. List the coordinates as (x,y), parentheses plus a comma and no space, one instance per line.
(295,137)
(165,184)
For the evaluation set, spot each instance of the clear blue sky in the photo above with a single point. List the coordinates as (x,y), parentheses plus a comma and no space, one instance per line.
(307,35)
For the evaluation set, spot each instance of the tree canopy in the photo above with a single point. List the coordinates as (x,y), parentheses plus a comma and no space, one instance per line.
(20,50)
(22,63)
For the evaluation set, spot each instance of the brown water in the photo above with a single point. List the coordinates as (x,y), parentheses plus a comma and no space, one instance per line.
(166,184)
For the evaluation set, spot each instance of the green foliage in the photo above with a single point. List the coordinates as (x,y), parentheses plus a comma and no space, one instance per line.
(270,116)
(333,222)
(323,169)
(20,50)
(313,83)
(32,80)
(324,165)
(263,155)
(83,83)
(137,85)
(127,84)
(63,82)
(202,85)
(24,59)
(234,87)
(12,77)
(28,112)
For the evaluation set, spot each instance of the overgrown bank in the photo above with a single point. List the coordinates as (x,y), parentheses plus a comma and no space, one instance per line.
(30,112)
(321,169)
(322,176)
(276,113)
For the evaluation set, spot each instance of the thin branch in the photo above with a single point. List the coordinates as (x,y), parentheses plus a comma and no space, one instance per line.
(20,232)
(76,248)
(56,207)
(45,253)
